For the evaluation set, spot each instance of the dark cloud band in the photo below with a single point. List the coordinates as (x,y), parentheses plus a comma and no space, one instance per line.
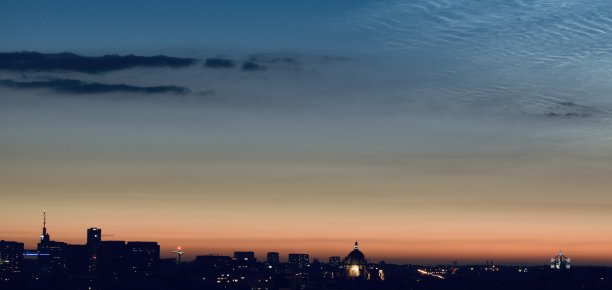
(216,62)
(35,61)
(79,87)
(251,66)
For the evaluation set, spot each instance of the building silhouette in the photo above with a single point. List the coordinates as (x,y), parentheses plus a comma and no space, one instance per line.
(560,262)
(45,237)
(247,257)
(355,264)
(11,258)
(214,270)
(52,254)
(142,260)
(335,262)
(94,237)
(133,265)
(299,260)
(273,258)
(77,259)
(111,261)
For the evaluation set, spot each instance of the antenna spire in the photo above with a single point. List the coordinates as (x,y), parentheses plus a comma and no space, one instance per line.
(45,236)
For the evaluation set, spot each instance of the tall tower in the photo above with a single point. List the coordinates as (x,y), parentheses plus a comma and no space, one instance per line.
(94,236)
(45,238)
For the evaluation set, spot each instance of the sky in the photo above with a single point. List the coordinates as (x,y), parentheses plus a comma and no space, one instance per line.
(427,130)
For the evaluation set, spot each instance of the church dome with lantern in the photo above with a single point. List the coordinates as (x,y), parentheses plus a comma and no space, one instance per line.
(355,264)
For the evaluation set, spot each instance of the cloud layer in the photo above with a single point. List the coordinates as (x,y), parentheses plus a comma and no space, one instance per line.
(42,62)
(71,86)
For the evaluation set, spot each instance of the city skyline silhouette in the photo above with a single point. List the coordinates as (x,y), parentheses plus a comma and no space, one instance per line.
(192,145)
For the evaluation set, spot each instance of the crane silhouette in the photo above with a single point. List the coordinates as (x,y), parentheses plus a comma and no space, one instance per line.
(179,252)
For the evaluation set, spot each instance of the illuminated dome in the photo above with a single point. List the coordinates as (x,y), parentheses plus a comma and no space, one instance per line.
(355,257)
(355,264)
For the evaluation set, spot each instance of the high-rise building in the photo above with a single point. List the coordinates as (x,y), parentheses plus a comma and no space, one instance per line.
(213,262)
(299,260)
(335,262)
(248,257)
(11,257)
(53,257)
(214,270)
(273,258)
(77,260)
(111,260)
(94,236)
(316,267)
(143,259)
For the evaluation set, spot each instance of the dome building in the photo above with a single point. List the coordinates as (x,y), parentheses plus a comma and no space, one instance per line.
(560,262)
(355,264)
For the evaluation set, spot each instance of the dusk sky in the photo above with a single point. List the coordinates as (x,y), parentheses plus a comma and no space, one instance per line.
(427,130)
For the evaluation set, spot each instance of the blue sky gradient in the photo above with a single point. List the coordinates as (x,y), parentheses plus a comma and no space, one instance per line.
(470,130)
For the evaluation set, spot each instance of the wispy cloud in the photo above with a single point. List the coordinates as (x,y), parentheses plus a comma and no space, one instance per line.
(71,86)
(552,32)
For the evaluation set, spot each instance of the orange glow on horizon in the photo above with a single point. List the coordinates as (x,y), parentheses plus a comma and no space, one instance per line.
(536,248)
(403,216)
